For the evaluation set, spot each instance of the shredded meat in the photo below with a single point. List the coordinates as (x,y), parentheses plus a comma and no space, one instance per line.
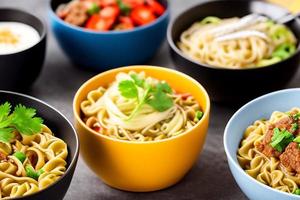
(291,157)
(73,13)
(265,146)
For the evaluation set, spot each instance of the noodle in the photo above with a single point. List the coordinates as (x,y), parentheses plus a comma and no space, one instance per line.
(108,112)
(237,42)
(44,152)
(269,170)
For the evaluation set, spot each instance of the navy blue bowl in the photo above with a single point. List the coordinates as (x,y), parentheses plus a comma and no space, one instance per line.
(104,50)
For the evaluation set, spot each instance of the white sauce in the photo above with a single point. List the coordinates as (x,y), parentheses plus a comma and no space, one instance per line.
(242,34)
(16,37)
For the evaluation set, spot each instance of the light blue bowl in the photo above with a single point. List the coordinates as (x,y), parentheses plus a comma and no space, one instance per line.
(104,50)
(259,108)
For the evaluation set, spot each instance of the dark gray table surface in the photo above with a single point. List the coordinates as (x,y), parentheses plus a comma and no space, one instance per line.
(210,178)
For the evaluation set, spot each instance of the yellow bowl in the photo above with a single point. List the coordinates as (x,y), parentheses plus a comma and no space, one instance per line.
(142,166)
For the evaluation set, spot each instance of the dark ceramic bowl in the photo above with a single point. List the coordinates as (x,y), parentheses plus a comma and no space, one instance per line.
(233,85)
(100,51)
(63,129)
(19,70)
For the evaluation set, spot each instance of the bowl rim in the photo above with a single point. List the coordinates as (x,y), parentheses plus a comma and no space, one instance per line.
(230,158)
(42,21)
(140,67)
(111,32)
(76,153)
(185,57)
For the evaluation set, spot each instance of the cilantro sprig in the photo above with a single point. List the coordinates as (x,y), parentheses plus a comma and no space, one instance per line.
(22,120)
(156,96)
(281,139)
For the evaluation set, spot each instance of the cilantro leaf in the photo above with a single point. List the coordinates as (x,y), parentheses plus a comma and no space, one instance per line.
(6,135)
(164,87)
(128,89)
(139,82)
(4,110)
(281,139)
(159,100)
(24,121)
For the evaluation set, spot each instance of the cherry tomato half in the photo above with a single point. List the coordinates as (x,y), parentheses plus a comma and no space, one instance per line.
(142,15)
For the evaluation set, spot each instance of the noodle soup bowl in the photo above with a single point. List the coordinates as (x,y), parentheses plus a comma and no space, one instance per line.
(260,108)
(63,129)
(142,166)
(226,84)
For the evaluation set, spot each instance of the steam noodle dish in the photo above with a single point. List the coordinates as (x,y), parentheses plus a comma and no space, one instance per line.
(31,157)
(139,108)
(270,151)
(238,43)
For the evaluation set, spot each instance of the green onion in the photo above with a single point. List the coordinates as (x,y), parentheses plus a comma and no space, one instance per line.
(20,155)
(198,115)
(296,116)
(284,51)
(294,127)
(297,191)
(270,61)
(281,139)
(30,172)
(93,9)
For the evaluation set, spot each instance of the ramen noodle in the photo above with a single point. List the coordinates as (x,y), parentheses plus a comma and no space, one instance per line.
(270,151)
(251,41)
(30,161)
(139,108)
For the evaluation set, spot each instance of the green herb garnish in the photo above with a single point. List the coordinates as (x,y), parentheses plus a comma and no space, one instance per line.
(155,96)
(123,7)
(297,191)
(198,115)
(21,119)
(294,127)
(30,172)
(20,155)
(93,9)
(281,139)
(296,116)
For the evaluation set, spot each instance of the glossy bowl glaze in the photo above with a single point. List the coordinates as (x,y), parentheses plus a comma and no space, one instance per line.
(63,129)
(104,50)
(19,70)
(233,85)
(142,166)
(259,108)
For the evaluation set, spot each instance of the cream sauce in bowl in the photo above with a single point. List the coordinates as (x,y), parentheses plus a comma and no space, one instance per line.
(16,37)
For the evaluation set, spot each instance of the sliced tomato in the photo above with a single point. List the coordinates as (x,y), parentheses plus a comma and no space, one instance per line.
(125,23)
(104,24)
(133,3)
(142,15)
(92,21)
(96,22)
(104,3)
(110,12)
(156,7)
